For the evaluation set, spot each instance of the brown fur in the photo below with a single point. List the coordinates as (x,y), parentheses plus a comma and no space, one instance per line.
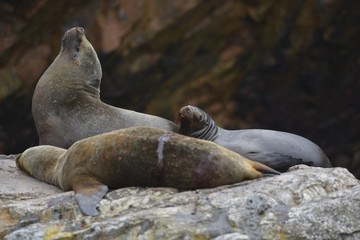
(138,156)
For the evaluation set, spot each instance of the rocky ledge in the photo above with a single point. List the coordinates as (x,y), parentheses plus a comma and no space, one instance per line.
(304,203)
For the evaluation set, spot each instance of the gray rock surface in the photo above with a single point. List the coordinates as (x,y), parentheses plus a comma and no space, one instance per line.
(304,203)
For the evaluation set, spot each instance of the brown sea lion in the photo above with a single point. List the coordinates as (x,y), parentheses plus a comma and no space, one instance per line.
(66,104)
(137,156)
(278,150)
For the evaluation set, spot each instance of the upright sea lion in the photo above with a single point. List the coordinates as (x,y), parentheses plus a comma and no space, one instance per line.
(66,104)
(137,156)
(278,150)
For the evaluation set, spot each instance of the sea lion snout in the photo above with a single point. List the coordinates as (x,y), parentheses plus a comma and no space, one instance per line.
(76,31)
(80,29)
(186,112)
(73,38)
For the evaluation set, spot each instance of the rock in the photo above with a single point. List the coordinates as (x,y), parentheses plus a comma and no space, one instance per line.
(304,203)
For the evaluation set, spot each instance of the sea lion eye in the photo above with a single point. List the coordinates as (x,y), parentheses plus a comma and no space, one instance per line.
(77,49)
(200,117)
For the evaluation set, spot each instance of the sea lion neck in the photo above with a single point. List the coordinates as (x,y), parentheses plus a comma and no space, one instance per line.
(204,128)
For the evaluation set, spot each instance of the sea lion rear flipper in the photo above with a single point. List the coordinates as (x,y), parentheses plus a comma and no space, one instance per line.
(265,170)
(88,192)
(276,160)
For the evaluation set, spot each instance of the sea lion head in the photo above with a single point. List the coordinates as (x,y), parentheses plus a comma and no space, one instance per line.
(196,123)
(77,51)
(39,162)
(193,115)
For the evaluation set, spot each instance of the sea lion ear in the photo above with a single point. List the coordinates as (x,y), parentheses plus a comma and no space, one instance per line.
(88,193)
(200,117)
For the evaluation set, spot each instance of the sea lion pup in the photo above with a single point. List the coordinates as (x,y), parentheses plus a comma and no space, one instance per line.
(278,150)
(66,104)
(137,156)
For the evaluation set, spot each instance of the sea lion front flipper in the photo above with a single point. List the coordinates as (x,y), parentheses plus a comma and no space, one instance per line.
(276,160)
(88,192)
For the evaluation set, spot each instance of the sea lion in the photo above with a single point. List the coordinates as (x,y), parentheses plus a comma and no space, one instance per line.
(278,150)
(66,105)
(137,156)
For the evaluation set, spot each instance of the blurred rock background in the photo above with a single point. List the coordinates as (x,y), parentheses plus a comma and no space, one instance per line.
(286,65)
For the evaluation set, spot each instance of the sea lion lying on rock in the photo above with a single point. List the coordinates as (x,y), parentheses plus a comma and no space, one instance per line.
(137,156)
(66,104)
(278,150)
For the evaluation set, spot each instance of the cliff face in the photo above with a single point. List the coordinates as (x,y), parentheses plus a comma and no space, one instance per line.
(284,65)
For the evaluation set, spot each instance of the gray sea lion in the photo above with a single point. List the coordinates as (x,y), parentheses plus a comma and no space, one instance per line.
(66,104)
(137,156)
(278,150)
